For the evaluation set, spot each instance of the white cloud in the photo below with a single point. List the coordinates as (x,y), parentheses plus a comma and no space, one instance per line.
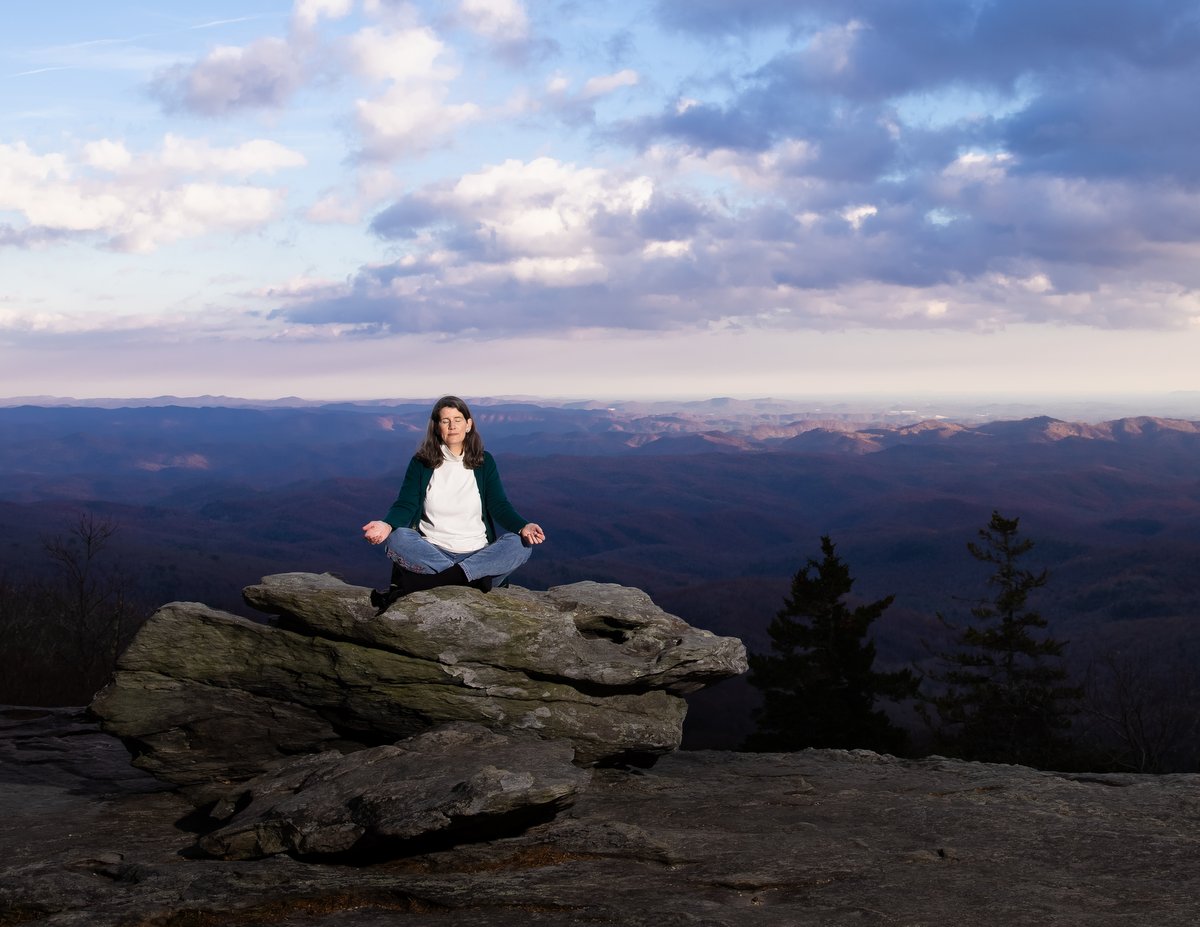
(976,167)
(667,249)
(409,120)
(192,210)
(137,202)
(19,166)
(542,223)
(545,207)
(578,270)
(252,157)
(413,114)
(44,191)
(107,155)
(501,20)
(400,55)
(600,86)
(179,156)
(307,13)
(856,215)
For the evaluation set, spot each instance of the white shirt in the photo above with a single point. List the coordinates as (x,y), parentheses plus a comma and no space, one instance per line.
(453,510)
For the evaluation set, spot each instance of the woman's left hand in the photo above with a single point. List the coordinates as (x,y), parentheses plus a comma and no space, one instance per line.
(533,534)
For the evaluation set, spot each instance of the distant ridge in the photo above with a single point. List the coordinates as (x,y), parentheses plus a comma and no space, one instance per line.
(721,413)
(190,402)
(40,444)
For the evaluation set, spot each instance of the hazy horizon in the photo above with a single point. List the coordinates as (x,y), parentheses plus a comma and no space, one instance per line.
(965,407)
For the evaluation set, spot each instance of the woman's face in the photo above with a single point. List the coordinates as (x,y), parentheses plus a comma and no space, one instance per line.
(453,427)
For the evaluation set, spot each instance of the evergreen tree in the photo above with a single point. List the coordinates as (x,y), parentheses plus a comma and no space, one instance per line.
(819,687)
(1003,694)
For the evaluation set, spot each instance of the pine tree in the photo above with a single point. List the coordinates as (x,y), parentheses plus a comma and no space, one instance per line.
(1003,694)
(819,686)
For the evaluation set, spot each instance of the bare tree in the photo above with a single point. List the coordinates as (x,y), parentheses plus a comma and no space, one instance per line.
(62,635)
(1141,710)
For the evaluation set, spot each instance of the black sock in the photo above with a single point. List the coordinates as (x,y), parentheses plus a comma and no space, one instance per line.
(455,576)
(417,582)
(451,576)
(382,598)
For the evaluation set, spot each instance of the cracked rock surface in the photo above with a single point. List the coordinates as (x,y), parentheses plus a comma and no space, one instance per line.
(703,838)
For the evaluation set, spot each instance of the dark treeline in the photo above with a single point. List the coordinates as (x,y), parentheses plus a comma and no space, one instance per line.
(63,630)
(1000,692)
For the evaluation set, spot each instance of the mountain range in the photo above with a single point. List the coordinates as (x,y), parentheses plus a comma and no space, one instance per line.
(709,508)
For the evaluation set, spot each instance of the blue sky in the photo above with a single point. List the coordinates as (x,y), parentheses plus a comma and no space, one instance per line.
(371,198)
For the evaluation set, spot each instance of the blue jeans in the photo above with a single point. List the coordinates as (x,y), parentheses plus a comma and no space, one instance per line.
(410,550)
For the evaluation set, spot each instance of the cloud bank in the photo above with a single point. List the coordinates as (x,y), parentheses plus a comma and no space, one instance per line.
(515,169)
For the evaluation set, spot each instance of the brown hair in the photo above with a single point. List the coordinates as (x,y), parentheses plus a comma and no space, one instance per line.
(430,451)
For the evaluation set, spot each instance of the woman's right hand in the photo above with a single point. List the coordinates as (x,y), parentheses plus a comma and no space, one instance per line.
(376,531)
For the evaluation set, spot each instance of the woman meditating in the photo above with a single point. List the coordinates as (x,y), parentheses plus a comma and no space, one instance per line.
(451,524)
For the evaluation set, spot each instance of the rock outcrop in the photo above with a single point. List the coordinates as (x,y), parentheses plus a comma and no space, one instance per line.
(459,781)
(205,698)
(820,838)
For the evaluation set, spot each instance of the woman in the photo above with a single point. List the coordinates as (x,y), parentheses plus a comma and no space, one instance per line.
(451,524)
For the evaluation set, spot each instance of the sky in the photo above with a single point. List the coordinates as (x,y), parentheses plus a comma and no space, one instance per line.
(341,199)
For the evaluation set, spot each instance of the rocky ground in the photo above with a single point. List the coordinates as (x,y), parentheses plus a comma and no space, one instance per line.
(700,839)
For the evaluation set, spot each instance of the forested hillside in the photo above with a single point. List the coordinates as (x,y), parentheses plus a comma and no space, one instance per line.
(206,501)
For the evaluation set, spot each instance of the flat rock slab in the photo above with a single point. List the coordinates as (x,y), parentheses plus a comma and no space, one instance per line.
(461,780)
(704,839)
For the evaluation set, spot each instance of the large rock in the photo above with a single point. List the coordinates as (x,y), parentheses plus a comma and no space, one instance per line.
(204,698)
(458,781)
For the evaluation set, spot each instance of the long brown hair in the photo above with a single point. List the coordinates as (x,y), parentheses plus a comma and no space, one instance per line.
(430,451)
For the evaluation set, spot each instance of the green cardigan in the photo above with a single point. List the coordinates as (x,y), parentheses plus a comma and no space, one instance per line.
(409,507)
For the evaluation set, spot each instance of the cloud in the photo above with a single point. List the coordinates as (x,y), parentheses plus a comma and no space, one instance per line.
(1123,124)
(373,184)
(31,236)
(413,114)
(414,54)
(307,13)
(577,106)
(265,74)
(607,83)
(549,246)
(179,155)
(776,164)
(499,20)
(1088,61)
(138,201)
(409,120)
